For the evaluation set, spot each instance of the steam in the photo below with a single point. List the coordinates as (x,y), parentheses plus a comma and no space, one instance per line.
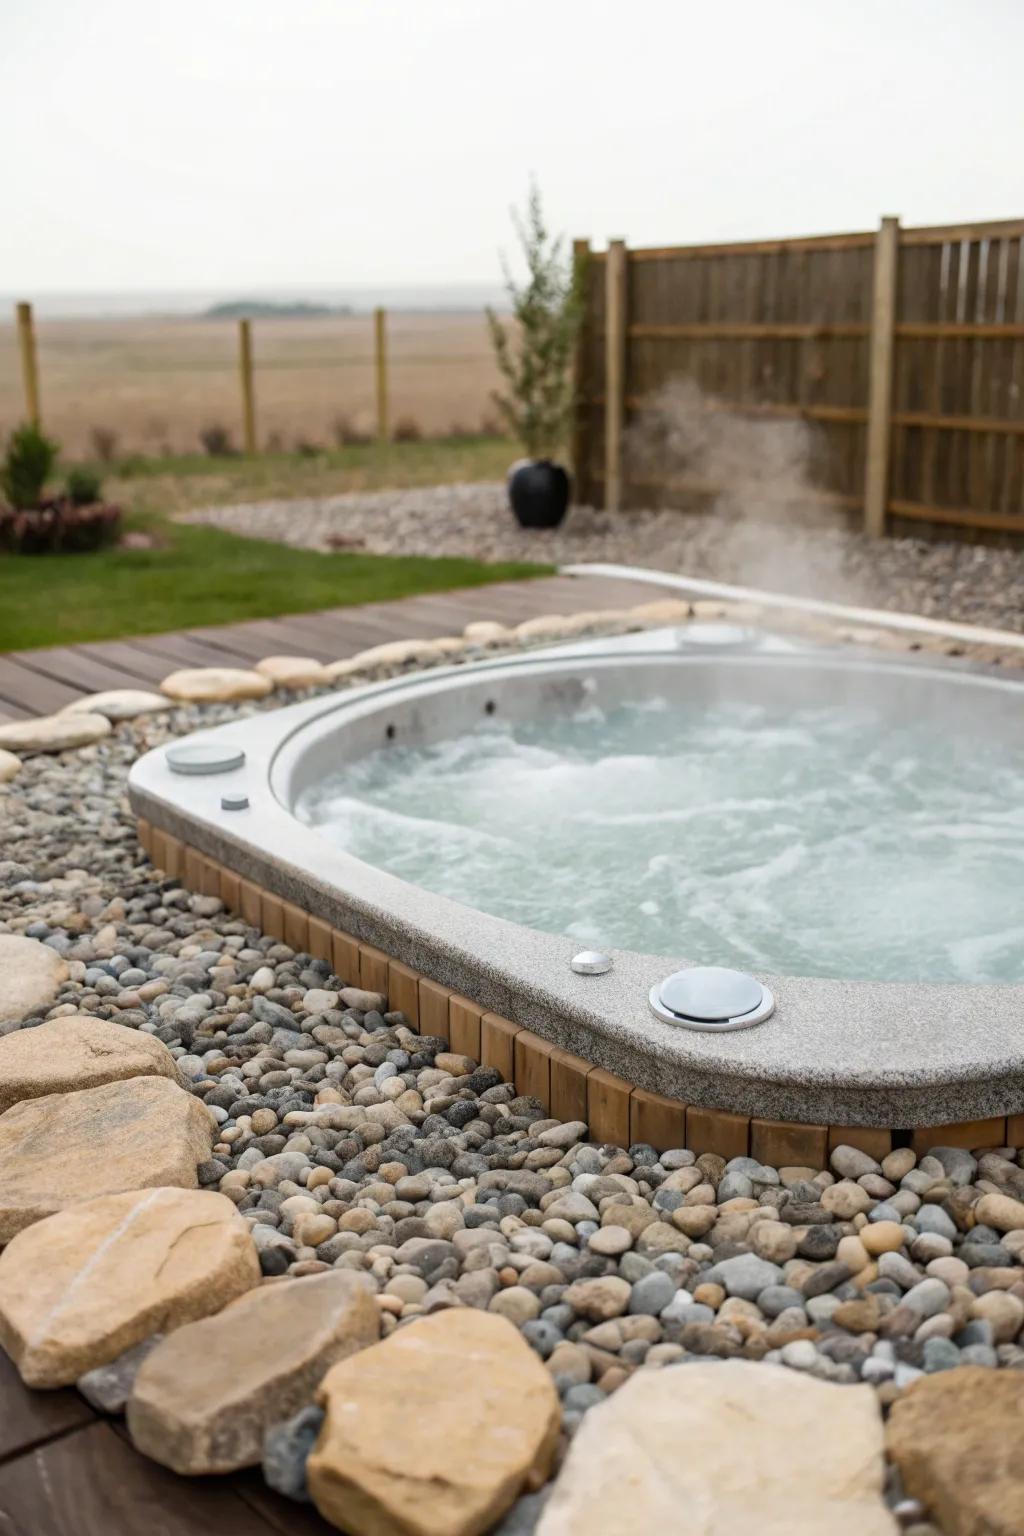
(757,479)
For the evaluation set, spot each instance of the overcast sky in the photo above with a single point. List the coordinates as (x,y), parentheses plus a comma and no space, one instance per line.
(239,143)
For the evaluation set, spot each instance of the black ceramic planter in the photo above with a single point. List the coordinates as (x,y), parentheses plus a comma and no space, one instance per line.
(539,493)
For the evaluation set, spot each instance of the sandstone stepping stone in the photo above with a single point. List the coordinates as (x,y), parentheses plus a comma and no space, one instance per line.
(31,974)
(203,1401)
(54,733)
(63,1148)
(68,1054)
(486,632)
(81,1288)
(398,653)
(708,1449)
(118,704)
(9,765)
(663,610)
(337,671)
(293,671)
(958,1440)
(216,685)
(435,1430)
(547,626)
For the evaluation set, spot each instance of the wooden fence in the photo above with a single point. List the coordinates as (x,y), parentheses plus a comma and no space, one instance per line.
(902,349)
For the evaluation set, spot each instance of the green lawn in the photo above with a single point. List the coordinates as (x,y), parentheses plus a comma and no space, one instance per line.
(200,576)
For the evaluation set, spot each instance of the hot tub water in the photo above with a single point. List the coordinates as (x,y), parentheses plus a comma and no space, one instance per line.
(819,841)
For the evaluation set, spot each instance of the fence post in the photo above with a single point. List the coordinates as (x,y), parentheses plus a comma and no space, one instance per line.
(883,319)
(380,362)
(29,363)
(248,393)
(614,371)
(580,405)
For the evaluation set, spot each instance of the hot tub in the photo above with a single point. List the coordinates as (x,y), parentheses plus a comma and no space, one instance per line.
(841,828)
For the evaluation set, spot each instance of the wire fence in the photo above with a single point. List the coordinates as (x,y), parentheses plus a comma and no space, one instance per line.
(109,387)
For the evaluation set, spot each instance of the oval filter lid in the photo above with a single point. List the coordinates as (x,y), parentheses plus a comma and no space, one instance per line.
(711,997)
(203,757)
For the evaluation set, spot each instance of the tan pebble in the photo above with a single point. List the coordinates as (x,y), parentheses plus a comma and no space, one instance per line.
(881,1237)
(710,1295)
(846,1199)
(853,1254)
(1003,1311)
(1001,1211)
(356,1220)
(408,1288)
(950,1269)
(610,1240)
(569,1360)
(695,1220)
(613,1378)
(897,1164)
(313,1230)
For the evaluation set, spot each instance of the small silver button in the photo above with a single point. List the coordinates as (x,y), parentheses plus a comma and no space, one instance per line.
(590,962)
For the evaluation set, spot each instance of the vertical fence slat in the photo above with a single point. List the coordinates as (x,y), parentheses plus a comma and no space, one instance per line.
(883,315)
(614,372)
(29,363)
(380,363)
(580,400)
(246,379)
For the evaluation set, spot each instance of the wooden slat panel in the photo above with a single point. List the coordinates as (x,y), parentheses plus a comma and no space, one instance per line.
(783,329)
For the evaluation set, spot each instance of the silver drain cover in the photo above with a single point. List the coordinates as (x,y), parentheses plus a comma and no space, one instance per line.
(710,997)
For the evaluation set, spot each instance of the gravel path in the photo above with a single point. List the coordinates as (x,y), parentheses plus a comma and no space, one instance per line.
(347,1141)
(970,583)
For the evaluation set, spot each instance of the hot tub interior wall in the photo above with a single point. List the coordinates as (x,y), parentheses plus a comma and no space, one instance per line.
(569,1087)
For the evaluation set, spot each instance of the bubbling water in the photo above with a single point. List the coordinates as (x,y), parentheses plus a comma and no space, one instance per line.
(824,841)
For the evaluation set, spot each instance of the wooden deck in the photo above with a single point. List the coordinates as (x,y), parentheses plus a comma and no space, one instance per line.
(67,1471)
(41,682)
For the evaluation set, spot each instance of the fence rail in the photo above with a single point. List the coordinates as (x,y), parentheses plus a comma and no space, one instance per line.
(902,349)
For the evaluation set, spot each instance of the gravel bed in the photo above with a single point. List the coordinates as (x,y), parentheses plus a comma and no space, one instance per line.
(348,1141)
(970,583)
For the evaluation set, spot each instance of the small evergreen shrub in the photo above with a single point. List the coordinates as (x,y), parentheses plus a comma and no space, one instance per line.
(84,487)
(534,353)
(27,465)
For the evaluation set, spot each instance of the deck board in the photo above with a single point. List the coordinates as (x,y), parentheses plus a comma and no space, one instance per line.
(28,1419)
(93,1483)
(42,681)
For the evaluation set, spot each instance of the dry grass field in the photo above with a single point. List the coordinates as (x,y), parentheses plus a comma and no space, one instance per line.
(155,384)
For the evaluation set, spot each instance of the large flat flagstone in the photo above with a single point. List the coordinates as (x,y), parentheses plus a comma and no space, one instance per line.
(434,1431)
(63,1148)
(723,1447)
(81,1287)
(75,1052)
(31,974)
(203,1399)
